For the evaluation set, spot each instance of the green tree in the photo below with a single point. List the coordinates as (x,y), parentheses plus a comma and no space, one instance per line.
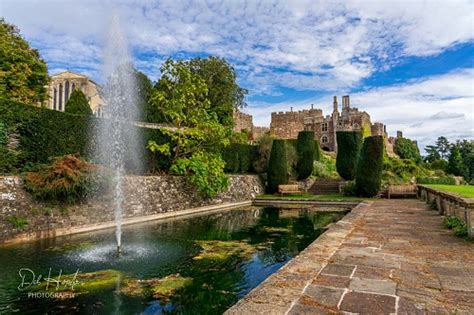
(348,148)
(78,104)
(224,93)
(455,162)
(23,73)
(466,148)
(305,149)
(370,166)
(198,135)
(433,153)
(443,147)
(277,171)
(407,149)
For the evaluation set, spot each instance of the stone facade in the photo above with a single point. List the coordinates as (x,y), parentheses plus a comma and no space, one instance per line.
(64,83)
(244,121)
(145,196)
(287,125)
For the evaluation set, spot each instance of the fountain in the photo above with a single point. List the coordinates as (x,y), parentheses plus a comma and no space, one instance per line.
(116,133)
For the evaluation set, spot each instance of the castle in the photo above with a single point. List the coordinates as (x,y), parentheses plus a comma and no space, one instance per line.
(287,125)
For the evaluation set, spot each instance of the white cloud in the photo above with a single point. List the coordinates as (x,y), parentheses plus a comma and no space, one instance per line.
(316,45)
(424,109)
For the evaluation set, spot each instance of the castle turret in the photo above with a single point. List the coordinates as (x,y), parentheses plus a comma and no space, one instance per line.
(345,102)
(334,105)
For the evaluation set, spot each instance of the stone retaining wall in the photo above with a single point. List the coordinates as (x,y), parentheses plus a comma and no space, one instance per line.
(145,196)
(449,205)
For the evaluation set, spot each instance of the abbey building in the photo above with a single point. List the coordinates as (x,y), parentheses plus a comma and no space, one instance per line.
(64,83)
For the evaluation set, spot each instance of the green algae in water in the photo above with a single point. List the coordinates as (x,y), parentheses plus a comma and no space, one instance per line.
(78,283)
(223,250)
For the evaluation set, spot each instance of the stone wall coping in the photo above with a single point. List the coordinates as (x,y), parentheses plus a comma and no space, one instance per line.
(465,202)
(269,202)
(22,237)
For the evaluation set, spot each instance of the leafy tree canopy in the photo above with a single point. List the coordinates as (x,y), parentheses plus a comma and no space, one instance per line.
(182,101)
(78,104)
(224,93)
(407,149)
(24,74)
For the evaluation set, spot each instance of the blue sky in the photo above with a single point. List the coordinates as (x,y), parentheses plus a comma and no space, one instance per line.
(408,63)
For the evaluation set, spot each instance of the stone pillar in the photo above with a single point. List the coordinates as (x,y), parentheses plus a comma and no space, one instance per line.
(439,204)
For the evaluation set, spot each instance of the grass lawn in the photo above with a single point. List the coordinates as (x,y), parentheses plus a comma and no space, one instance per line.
(461,190)
(309,196)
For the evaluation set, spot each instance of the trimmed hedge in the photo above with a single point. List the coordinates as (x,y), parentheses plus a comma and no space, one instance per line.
(317,150)
(443,180)
(44,133)
(348,149)
(277,171)
(239,158)
(305,149)
(370,167)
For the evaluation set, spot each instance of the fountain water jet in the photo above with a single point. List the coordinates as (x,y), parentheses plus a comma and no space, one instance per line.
(118,142)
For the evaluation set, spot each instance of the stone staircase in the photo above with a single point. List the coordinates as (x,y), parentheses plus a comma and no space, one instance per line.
(325,186)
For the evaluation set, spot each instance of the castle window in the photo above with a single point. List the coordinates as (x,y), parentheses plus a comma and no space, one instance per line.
(60,97)
(55,95)
(73,86)
(324,139)
(66,93)
(324,127)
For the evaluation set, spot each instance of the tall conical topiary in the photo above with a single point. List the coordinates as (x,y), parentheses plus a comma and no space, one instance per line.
(348,148)
(369,168)
(78,104)
(317,150)
(277,170)
(305,149)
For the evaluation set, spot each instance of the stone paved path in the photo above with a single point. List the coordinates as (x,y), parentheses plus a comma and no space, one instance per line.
(388,257)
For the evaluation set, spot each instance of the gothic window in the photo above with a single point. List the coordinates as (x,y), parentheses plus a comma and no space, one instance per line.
(66,93)
(73,87)
(60,107)
(324,139)
(324,127)
(55,95)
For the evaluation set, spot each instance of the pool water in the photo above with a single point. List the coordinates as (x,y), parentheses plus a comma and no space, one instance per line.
(195,265)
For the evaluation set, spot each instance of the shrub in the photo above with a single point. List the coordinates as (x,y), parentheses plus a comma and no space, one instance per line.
(325,167)
(291,157)
(66,179)
(306,153)
(348,148)
(438,165)
(350,189)
(78,104)
(239,158)
(444,180)
(458,226)
(407,149)
(264,148)
(18,223)
(369,167)
(277,166)
(205,170)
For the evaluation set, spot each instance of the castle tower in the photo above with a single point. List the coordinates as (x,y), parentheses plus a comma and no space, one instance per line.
(334,105)
(345,102)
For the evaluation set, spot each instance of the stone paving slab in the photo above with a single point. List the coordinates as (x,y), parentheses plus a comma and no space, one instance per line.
(384,257)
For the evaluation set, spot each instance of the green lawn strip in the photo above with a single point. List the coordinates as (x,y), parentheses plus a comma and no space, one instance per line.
(466,191)
(311,197)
